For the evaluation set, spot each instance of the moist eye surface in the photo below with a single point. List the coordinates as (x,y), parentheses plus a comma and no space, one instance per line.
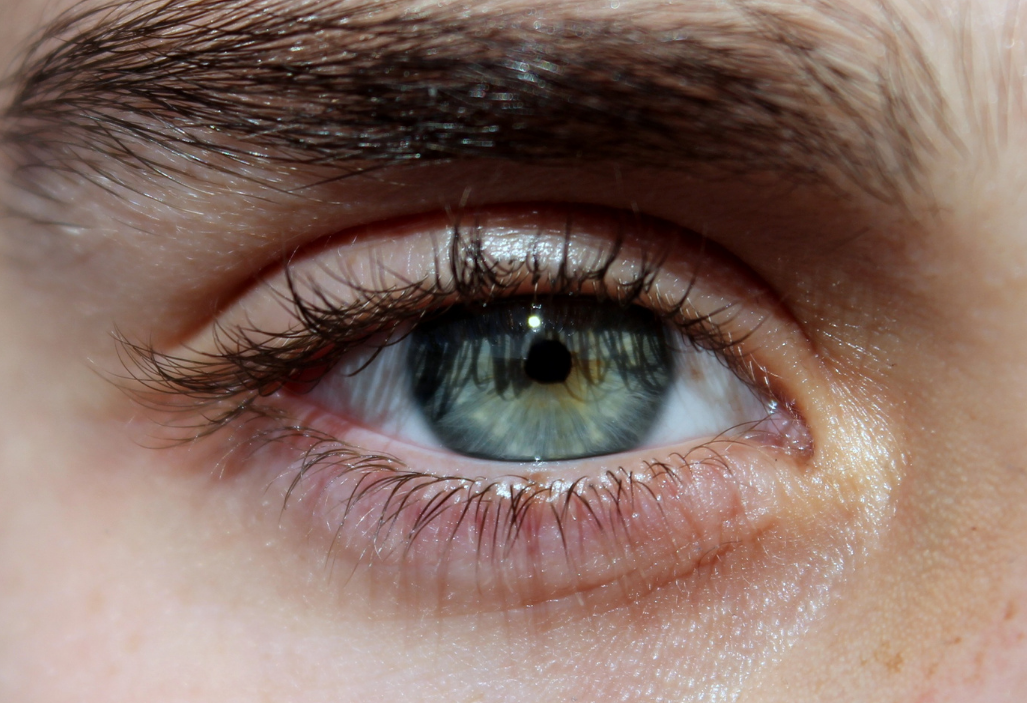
(562,379)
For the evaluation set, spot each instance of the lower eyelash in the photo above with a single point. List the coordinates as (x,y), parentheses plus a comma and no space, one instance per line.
(474,537)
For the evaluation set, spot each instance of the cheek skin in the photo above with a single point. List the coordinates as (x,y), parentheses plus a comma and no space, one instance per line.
(939,604)
(134,587)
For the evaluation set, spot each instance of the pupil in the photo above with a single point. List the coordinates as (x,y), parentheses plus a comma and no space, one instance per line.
(548,361)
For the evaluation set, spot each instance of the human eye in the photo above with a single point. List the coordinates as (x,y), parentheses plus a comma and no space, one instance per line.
(510,406)
(453,346)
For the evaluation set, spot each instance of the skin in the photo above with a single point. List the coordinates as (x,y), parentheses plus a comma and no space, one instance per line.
(129,573)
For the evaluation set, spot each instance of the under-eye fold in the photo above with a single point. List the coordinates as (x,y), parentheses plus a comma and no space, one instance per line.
(505,407)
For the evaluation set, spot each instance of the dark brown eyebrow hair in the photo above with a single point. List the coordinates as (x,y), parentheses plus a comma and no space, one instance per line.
(826,94)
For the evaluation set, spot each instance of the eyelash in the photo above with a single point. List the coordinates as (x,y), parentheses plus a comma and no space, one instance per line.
(243,369)
(236,385)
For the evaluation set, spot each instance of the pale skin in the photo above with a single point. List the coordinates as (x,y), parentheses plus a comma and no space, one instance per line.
(885,561)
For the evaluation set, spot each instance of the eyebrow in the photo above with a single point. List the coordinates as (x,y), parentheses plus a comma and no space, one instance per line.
(233,84)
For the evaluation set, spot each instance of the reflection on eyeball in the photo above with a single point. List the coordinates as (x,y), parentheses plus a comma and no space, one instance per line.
(530,381)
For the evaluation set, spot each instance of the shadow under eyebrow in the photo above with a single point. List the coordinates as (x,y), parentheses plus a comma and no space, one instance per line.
(347,86)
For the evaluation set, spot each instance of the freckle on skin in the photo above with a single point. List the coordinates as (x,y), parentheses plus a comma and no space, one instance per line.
(978,668)
(892,661)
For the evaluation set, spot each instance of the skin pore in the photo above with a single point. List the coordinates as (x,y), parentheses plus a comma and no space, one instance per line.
(823,197)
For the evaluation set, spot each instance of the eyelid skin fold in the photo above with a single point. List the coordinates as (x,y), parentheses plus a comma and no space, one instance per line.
(426,527)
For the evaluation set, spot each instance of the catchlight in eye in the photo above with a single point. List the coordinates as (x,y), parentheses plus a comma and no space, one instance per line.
(565,380)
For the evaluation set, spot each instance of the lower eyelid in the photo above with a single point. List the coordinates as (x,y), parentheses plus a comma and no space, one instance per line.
(487,536)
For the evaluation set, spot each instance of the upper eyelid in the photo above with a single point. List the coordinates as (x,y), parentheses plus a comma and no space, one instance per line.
(242,362)
(318,319)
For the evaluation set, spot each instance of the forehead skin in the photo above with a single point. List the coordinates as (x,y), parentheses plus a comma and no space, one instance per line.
(937,613)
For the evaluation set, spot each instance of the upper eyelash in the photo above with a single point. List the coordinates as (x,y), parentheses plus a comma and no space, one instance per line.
(248,363)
